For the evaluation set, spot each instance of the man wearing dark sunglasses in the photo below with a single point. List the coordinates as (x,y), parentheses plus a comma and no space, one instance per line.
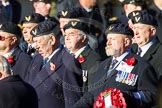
(10,35)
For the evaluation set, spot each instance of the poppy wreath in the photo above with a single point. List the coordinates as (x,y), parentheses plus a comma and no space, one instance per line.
(117,99)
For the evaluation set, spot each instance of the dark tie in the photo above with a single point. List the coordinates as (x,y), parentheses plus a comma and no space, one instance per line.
(112,66)
(45,61)
(139,51)
(8,8)
(30,50)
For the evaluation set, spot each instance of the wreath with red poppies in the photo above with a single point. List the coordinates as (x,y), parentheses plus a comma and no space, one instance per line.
(117,99)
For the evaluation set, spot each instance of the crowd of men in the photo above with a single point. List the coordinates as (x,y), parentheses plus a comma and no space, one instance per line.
(66,61)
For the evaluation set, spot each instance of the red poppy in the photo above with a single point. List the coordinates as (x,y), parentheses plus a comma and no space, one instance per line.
(81,59)
(10,59)
(117,98)
(131,61)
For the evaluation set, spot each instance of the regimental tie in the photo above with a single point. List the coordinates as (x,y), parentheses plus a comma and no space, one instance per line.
(112,66)
(139,51)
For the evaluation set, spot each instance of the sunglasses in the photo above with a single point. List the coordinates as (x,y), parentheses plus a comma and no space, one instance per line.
(3,38)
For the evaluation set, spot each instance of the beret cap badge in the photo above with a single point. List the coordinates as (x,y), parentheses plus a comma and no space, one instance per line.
(34,32)
(135,13)
(111,27)
(28,18)
(64,13)
(137,19)
(74,23)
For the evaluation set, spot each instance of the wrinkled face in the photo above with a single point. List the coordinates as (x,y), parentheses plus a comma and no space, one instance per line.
(44,45)
(116,44)
(7,40)
(42,8)
(27,27)
(74,39)
(143,33)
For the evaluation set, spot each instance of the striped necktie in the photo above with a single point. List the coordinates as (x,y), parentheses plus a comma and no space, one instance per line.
(113,63)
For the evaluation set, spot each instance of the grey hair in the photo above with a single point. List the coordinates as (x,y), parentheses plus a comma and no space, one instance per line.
(5,66)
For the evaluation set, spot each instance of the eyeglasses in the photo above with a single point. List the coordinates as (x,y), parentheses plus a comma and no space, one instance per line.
(3,38)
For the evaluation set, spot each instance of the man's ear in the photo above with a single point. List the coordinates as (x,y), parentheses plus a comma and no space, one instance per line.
(35,5)
(14,40)
(127,41)
(84,38)
(53,39)
(153,31)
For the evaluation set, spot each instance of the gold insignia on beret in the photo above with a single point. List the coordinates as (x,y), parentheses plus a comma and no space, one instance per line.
(111,27)
(28,18)
(64,13)
(137,19)
(34,31)
(135,14)
(0,25)
(74,23)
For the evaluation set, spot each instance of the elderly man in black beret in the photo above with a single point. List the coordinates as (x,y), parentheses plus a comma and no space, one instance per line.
(149,46)
(10,35)
(128,7)
(54,73)
(125,71)
(29,22)
(76,40)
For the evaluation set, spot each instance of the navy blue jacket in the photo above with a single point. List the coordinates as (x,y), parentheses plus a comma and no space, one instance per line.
(58,83)
(21,63)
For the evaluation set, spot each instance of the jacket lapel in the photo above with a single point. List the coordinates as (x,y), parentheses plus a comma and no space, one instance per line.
(151,50)
(50,68)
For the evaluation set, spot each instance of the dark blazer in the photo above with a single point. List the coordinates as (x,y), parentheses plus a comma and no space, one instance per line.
(15,93)
(59,82)
(153,56)
(90,64)
(22,61)
(146,83)
(13,15)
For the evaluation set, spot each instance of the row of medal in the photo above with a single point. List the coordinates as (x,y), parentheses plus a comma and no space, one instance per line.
(127,78)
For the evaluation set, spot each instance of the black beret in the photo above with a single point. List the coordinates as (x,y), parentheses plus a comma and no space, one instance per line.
(72,13)
(136,2)
(142,17)
(10,27)
(33,18)
(135,13)
(119,28)
(77,25)
(46,27)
